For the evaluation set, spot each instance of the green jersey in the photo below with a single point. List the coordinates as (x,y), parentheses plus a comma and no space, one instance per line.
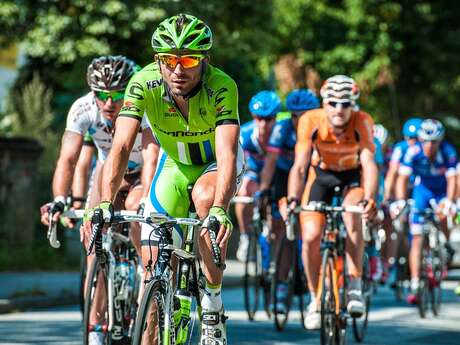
(190,141)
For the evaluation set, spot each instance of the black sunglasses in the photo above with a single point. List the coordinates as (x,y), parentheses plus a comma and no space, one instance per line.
(344,105)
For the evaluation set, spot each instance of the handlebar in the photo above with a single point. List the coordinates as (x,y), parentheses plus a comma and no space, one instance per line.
(242,200)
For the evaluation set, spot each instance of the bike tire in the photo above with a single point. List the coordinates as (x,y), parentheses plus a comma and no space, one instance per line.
(252,277)
(152,303)
(360,324)
(423,293)
(81,290)
(286,249)
(329,318)
(97,274)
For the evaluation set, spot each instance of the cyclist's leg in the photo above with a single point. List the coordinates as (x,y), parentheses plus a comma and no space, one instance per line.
(100,298)
(131,203)
(243,212)
(421,196)
(311,224)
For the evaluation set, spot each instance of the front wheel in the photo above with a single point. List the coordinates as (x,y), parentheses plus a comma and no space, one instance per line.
(360,324)
(95,311)
(329,302)
(150,322)
(284,277)
(252,277)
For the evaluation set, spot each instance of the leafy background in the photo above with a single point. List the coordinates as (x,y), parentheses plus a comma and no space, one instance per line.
(404,54)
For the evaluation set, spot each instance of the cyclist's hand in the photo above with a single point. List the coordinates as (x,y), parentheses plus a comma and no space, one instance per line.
(396,208)
(107,213)
(54,208)
(292,205)
(370,209)
(447,207)
(226,226)
(261,199)
(141,207)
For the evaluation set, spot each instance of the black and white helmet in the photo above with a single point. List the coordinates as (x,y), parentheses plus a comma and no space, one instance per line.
(340,88)
(110,73)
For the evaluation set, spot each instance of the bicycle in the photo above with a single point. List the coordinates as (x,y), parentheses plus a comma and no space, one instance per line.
(164,315)
(401,261)
(332,289)
(115,269)
(433,264)
(290,248)
(257,273)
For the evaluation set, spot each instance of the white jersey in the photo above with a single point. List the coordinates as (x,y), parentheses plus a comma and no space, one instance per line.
(85,118)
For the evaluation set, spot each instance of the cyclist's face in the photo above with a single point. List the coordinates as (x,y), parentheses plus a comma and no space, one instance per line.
(430,148)
(109,109)
(337,113)
(264,124)
(181,80)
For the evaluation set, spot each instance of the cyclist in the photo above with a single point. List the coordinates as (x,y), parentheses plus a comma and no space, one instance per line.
(433,163)
(95,113)
(337,141)
(457,289)
(410,130)
(192,108)
(278,161)
(254,138)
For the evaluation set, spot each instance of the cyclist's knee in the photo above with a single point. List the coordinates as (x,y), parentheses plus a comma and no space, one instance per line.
(353,196)
(133,199)
(248,187)
(203,198)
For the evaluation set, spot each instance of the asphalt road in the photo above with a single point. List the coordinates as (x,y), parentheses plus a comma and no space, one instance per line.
(390,323)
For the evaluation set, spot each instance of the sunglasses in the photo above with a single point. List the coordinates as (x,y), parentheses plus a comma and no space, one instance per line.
(105,95)
(265,119)
(344,105)
(186,61)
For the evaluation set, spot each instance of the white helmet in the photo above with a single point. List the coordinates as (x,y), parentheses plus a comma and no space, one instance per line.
(431,130)
(381,134)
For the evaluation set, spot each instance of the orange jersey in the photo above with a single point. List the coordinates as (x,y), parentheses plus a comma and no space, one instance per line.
(331,152)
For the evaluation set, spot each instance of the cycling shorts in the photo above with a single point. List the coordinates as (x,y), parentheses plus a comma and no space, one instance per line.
(169,192)
(422,196)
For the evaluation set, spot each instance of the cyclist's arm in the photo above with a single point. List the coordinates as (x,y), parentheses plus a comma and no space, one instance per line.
(150,151)
(82,174)
(458,183)
(370,174)
(451,187)
(303,150)
(401,187)
(268,170)
(226,149)
(70,150)
(390,180)
(117,161)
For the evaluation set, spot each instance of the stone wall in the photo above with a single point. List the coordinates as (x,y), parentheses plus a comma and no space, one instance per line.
(18,190)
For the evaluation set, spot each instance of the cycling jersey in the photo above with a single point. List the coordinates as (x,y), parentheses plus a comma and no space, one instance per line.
(380,161)
(86,119)
(431,174)
(254,151)
(399,150)
(190,141)
(331,152)
(282,141)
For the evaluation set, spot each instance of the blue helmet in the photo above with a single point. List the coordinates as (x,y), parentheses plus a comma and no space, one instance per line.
(301,100)
(431,130)
(265,104)
(411,127)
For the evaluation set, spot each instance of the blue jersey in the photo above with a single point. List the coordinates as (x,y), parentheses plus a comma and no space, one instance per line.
(380,161)
(254,153)
(399,150)
(430,174)
(282,141)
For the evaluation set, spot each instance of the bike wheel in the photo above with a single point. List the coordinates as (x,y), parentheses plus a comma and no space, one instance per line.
(360,324)
(149,327)
(329,317)
(286,251)
(96,288)
(81,290)
(252,277)
(435,281)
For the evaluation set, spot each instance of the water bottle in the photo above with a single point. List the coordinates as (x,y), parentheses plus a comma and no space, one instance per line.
(183,303)
(123,271)
(265,248)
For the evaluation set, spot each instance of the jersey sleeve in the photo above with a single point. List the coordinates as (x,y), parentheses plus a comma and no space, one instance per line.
(78,119)
(134,102)
(364,126)
(305,129)
(379,159)
(397,154)
(225,100)
(88,140)
(277,137)
(407,163)
(451,159)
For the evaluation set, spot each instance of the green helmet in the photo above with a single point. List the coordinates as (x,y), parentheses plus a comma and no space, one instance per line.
(182,32)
